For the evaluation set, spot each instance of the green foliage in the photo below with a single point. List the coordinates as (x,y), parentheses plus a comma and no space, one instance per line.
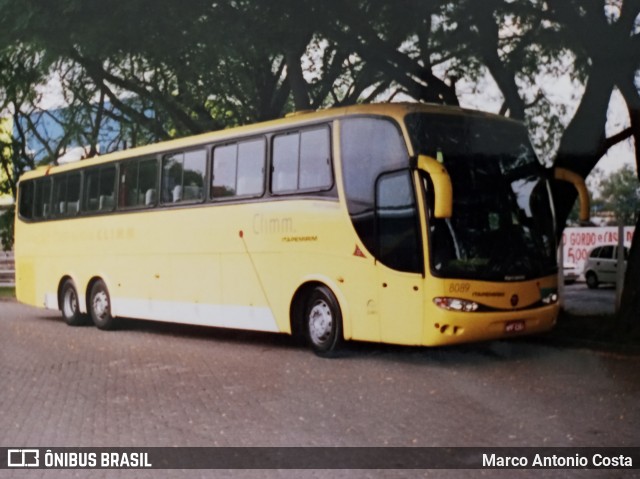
(7,292)
(613,196)
(6,228)
(620,195)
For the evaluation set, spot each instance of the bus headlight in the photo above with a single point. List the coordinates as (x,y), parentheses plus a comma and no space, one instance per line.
(550,298)
(456,304)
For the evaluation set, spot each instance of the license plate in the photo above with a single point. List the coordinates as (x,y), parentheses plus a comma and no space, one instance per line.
(514,326)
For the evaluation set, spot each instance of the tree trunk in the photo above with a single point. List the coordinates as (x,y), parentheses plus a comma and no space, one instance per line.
(581,145)
(630,303)
(502,73)
(296,80)
(629,314)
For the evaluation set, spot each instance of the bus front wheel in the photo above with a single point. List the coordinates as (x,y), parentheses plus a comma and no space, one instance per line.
(100,306)
(69,305)
(323,322)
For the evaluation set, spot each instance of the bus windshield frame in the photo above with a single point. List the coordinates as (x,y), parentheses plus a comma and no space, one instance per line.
(501,228)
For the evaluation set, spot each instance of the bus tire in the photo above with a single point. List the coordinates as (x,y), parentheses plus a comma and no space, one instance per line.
(70,306)
(323,322)
(100,306)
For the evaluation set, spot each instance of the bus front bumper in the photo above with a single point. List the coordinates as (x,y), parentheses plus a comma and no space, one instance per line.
(447,327)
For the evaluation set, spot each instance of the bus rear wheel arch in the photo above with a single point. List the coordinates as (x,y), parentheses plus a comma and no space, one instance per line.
(69,304)
(317,317)
(99,305)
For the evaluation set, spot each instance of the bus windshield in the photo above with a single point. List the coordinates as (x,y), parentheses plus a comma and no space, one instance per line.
(502,224)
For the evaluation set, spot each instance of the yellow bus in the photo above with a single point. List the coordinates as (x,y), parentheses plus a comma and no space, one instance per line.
(396,223)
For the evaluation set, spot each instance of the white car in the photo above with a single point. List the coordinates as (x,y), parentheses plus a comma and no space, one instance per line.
(602,265)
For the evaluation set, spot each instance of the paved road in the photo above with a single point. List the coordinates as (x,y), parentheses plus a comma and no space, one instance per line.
(155,384)
(580,300)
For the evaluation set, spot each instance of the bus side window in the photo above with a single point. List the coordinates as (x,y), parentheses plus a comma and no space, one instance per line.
(195,167)
(238,169)
(66,194)
(27,192)
(138,180)
(223,181)
(147,179)
(73,194)
(302,161)
(42,199)
(251,160)
(315,160)
(183,176)
(370,146)
(397,224)
(286,150)
(128,181)
(91,185)
(107,189)
(99,189)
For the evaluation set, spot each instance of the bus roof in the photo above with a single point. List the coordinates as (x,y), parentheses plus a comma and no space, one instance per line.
(395,110)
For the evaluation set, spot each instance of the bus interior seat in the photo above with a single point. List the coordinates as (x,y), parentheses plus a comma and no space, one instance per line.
(106,202)
(177,193)
(150,197)
(72,207)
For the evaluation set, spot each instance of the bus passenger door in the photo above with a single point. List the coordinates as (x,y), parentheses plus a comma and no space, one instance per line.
(399,259)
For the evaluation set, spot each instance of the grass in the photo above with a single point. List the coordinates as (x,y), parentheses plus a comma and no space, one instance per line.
(7,292)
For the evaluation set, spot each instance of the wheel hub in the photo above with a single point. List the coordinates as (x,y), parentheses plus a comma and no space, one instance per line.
(320,322)
(101,304)
(70,303)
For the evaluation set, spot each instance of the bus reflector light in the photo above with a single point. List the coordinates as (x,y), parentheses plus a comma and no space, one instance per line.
(456,304)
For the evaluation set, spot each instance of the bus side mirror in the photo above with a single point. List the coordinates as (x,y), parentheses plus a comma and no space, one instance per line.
(443,191)
(577,181)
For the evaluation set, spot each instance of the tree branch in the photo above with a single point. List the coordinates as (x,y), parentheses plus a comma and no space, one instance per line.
(488,40)
(96,70)
(296,80)
(614,140)
(632,98)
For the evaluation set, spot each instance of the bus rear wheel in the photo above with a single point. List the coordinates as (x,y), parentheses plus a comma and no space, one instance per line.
(100,306)
(323,322)
(69,305)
